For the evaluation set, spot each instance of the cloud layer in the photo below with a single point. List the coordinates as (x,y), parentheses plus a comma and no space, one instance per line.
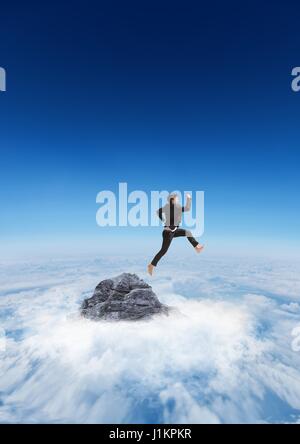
(226,356)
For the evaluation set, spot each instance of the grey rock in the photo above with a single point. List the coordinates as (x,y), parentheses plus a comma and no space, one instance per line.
(124,297)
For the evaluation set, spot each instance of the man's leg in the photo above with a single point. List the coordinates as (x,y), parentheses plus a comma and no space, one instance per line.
(167,239)
(181,232)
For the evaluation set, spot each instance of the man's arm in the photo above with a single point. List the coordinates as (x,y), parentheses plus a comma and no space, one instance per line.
(160,214)
(187,206)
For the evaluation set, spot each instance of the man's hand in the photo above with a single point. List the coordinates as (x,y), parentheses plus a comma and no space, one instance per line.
(188,203)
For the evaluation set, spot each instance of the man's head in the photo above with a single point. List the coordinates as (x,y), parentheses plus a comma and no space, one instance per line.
(173,198)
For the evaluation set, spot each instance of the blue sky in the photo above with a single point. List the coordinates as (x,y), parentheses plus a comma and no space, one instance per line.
(172,96)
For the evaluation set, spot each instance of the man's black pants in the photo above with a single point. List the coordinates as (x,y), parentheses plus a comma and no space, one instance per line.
(168,236)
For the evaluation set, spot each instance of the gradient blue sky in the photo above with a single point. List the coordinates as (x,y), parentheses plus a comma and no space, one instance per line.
(162,95)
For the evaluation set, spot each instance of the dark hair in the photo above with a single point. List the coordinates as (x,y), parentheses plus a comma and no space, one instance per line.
(171,198)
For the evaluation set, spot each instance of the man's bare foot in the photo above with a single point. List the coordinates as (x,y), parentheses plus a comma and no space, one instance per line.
(199,248)
(150,269)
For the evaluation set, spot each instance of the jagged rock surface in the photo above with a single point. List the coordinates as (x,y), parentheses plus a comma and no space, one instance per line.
(124,297)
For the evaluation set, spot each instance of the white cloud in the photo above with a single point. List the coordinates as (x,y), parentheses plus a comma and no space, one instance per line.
(226,357)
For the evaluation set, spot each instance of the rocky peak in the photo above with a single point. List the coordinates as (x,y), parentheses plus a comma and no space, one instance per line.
(124,297)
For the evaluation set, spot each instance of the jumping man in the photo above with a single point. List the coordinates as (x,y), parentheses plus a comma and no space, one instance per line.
(172,213)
